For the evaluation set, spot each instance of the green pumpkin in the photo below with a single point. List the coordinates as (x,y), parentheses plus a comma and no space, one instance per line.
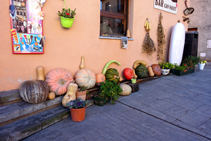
(112,75)
(141,71)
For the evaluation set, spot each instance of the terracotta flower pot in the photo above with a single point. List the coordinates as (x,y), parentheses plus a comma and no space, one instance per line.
(81,95)
(78,114)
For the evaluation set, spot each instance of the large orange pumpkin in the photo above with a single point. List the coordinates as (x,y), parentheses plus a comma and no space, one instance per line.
(99,78)
(85,77)
(58,79)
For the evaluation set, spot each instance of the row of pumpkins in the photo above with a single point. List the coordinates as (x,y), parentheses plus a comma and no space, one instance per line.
(60,81)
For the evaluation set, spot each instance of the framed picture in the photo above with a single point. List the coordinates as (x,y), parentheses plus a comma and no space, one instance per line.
(124,42)
(26,27)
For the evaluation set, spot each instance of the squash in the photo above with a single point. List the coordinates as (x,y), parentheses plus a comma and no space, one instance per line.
(40,73)
(156,69)
(108,64)
(135,76)
(126,89)
(128,73)
(82,66)
(51,95)
(138,62)
(85,77)
(151,73)
(99,78)
(58,79)
(34,91)
(141,71)
(112,75)
(71,94)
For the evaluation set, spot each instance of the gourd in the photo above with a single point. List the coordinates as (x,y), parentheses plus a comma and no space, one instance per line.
(151,73)
(51,95)
(85,77)
(40,73)
(135,76)
(156,69)
(99,78)
(108,64)
(34,91)
(128,73)
(138,62)
(126,89)
(82,66)
(141,71)
(58,79)
(71,94)
(112,75)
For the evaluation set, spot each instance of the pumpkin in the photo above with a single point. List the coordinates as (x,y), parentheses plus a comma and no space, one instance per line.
(141,71)
(71,94)
(126,89)
(112,75)
(128,73)
(86,78)
(138,62)
(99,78)
(34,91)
(58,79)
(51,95)
(40,73)
(151,73)
(156,69)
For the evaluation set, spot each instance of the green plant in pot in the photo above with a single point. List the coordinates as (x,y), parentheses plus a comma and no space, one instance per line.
(67,17)
(202,64)
(166,67)
(81,93)
(109,91)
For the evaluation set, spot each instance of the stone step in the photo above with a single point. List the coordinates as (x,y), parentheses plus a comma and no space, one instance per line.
(29,125)
(9,97)
(22,108)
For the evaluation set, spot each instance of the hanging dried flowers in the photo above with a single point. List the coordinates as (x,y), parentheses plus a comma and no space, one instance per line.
(161,40)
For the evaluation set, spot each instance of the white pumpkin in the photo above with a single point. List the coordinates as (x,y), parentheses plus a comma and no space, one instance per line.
(126,89)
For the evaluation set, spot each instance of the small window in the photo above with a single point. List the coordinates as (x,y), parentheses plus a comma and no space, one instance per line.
(113,18)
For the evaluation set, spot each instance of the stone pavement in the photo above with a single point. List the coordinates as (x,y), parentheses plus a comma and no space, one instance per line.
(171,108)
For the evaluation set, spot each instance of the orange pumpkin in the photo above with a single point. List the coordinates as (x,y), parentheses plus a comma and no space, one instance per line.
(58,79)
(99,78)
(85,77)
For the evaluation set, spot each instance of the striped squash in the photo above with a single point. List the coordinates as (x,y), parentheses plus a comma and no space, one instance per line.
(86,78)
(34,91)
(58,79)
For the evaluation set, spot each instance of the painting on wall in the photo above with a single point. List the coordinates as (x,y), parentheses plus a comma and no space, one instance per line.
(166,5)
(26,27)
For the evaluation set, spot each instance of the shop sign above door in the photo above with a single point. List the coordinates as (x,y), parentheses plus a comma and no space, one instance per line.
(166,5)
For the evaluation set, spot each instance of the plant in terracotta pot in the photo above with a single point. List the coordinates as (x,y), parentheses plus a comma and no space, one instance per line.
(77,109)
(81,93)
(67,17)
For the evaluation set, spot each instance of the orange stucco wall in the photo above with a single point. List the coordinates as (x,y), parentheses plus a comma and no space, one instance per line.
(64,47)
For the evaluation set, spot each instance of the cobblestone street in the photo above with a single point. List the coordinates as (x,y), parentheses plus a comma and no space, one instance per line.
(171,108)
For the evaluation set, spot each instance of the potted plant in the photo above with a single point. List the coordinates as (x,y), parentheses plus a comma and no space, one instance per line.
(181,70)
(202,64)
(81,93)
(166,67)
(109,91)
(77,109)
(67,17)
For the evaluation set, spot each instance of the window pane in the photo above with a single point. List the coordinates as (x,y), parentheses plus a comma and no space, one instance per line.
(112,6)
(111,27)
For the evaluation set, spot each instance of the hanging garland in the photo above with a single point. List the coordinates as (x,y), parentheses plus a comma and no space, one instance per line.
(148,45)
(161,40)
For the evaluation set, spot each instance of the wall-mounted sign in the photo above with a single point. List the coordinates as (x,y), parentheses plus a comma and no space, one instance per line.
(26,27)
(166,5)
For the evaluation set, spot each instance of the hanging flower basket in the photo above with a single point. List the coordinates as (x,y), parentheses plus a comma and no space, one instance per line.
(67,22)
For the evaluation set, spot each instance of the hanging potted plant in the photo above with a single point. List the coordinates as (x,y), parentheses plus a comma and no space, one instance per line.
(77,109)
(67,17)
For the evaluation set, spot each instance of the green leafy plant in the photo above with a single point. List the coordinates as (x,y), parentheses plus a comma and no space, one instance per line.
(67,13)
(83,88)
(110,89)
(77,104)
(202,61)
(181,68)
(166,65)
(191,61)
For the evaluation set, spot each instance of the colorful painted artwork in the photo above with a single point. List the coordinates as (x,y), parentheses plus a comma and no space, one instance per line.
(26,27)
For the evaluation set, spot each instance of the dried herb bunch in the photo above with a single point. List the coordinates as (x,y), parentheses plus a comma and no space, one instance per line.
(161,40)
(148,45)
